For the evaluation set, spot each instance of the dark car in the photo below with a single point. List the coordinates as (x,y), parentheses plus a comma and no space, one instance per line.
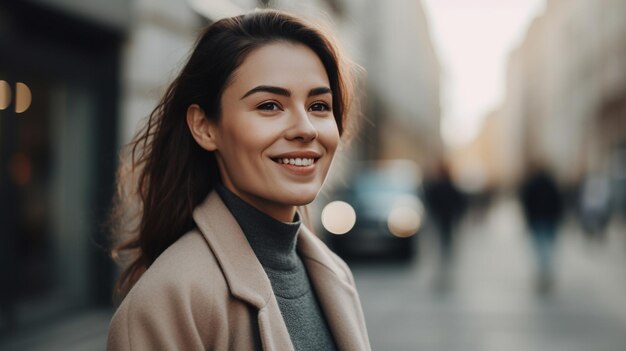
(378,213)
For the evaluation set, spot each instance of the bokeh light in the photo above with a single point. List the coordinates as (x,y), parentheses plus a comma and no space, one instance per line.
(338,217)
(5,95)
(23,97)
(404,221)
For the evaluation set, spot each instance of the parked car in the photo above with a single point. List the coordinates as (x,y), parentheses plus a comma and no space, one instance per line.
(377,213)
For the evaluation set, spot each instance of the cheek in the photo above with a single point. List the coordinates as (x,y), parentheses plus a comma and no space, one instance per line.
(329,135)
(247,139)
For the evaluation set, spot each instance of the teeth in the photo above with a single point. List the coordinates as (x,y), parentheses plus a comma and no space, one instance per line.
(303,162)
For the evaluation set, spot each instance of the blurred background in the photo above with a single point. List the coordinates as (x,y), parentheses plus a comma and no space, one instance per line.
(481,207)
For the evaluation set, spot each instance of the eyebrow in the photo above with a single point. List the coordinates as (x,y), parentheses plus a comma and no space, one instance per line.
(283,91)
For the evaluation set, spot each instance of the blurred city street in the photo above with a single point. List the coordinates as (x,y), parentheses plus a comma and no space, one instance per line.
(471,123)
(491,303)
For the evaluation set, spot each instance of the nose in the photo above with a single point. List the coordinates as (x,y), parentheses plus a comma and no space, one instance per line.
(301,128)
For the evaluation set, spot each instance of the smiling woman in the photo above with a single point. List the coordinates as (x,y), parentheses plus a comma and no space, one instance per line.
(219,259)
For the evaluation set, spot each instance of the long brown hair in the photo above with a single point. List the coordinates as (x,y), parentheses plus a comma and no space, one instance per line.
(163,173)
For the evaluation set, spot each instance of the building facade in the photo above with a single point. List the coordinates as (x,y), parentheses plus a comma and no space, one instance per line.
(565,100)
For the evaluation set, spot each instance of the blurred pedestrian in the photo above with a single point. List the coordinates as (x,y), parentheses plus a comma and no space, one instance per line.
(595,205)
(543,207)
(220,259)
(446,204)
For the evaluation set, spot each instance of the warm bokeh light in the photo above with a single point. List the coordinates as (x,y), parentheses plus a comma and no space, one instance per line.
(20,168)
(404,221)
(5,95)
(338,217)
(23,97)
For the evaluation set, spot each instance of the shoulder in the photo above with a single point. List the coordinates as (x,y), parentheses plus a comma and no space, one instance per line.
(186,263)
(178,289)
(186,266)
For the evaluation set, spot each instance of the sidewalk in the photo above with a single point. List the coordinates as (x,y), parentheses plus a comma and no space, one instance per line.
(80,332)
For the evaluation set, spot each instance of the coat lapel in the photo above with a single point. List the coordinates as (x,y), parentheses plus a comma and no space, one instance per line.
(248,282)
(338,298)
(244,274)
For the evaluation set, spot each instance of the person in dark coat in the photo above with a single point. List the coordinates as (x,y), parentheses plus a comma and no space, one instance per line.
(543,208)
(446,204)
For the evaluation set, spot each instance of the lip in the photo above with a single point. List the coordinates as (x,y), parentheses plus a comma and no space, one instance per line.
(298,170)
(299,154)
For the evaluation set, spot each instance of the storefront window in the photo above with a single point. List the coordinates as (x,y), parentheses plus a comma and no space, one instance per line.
(57,145)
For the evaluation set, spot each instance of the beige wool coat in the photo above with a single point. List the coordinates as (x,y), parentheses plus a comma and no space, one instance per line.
(208,291)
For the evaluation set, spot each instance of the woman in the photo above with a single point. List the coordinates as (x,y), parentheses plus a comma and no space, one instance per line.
(220,259)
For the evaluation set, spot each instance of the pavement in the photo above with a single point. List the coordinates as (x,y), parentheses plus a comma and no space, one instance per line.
(487,299)
(81,331)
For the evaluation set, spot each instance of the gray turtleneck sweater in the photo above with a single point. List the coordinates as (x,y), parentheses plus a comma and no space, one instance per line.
(274,243)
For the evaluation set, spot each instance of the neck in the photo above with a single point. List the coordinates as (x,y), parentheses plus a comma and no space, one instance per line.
(273,241)
(280,212)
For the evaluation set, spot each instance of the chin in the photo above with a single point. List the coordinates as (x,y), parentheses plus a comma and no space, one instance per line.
(299,198)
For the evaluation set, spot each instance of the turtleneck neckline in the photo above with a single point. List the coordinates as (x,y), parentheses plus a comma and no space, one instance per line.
(273,241)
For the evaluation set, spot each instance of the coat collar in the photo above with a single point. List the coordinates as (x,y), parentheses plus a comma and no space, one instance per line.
(247,280)
(335,291)
(243,272)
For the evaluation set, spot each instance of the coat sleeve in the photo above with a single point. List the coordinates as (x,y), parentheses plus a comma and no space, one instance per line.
(118,338)
(157,320)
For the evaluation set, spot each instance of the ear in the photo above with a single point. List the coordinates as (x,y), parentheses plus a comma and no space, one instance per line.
(201,128)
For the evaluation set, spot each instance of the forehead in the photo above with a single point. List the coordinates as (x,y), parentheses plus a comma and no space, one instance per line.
(284,64)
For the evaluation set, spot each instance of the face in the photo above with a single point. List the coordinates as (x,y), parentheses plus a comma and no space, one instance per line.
(277,135)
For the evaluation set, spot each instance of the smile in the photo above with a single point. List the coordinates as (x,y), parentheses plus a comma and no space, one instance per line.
(301,162)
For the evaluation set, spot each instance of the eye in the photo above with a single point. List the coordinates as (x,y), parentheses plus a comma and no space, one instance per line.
(269,106)
(319,107)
